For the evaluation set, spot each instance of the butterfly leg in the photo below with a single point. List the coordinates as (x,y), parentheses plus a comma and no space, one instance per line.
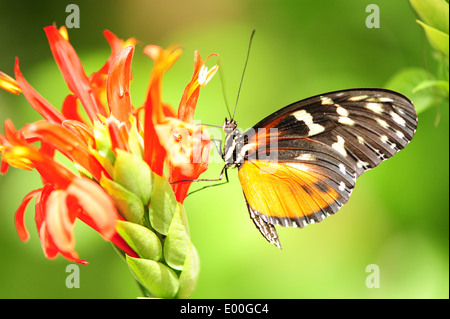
(222,173)
(218,148)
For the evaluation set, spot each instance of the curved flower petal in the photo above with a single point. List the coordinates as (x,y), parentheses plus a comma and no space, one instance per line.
(9,84)
(70,108)
(48,247)
(198,162)
(190,96)
(82,131)
(188,148)
(58,222)
(98,79)
(73,72)
(98,211)
(20,214)
(98,208)
(29,157)
(118,86)
(154,153)
(36,100)
(67,143)
(119,137)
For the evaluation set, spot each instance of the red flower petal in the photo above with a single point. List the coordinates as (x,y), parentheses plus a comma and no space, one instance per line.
(189,158)
(98,79)
(41,201)
(67,143)
(185,110)
(70,109)
(58,224)
(48,247)
(168,110)
(99,211)
(118,138)
(190,96)
(20,214)
(37,101)
(73,72)
(82,131)
(3,167)
(118,86)
(154,153)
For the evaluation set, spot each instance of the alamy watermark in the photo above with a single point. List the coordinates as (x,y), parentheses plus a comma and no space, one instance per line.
(73,278)
(373,19)
(373,279)
(73,19)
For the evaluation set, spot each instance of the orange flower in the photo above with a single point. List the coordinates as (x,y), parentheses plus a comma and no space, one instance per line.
(191,143)
(185,145)
(167,139)
(63,198)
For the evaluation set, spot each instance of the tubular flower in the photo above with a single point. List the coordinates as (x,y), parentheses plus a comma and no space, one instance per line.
(184,144)
(119,152)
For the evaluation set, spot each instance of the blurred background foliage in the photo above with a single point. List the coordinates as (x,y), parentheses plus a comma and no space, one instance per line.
(397,217)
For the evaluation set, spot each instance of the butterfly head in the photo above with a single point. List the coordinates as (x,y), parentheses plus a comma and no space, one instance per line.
(229,126)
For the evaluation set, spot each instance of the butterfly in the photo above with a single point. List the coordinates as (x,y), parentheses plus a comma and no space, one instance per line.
(299,165)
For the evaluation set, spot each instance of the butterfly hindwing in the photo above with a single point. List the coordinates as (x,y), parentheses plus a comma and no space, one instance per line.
(318,147)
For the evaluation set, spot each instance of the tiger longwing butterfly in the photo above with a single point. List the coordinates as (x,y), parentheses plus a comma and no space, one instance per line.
(318,147)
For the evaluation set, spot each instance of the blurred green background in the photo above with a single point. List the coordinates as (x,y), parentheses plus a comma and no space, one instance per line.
(397,217)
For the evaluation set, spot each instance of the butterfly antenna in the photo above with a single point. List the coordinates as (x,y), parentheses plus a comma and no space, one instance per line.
(212,125)
(243,72)
(222,80)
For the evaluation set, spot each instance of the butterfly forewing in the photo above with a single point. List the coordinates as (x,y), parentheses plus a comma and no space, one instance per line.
(365,125)
(323,144)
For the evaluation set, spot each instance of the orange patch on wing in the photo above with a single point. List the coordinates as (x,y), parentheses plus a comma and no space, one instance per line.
(286,190)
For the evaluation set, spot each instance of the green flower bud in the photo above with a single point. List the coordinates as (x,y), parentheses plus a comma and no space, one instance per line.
(177,241)
(189,276)
(141,239)
(133,174)
(158,279)
(162,205)
(129,205)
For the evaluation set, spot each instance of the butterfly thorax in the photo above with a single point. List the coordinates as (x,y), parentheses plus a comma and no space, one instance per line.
(232,150)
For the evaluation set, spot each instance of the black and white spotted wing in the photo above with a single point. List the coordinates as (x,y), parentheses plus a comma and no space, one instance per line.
(365,126)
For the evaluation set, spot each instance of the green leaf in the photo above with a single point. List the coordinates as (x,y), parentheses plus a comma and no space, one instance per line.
(433,12)
(438,39)
(162,205)
(444,85)
(407,80)
(157,278)
(129,205)
(134,174)
(177,241)
(141,239)
(189,275)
